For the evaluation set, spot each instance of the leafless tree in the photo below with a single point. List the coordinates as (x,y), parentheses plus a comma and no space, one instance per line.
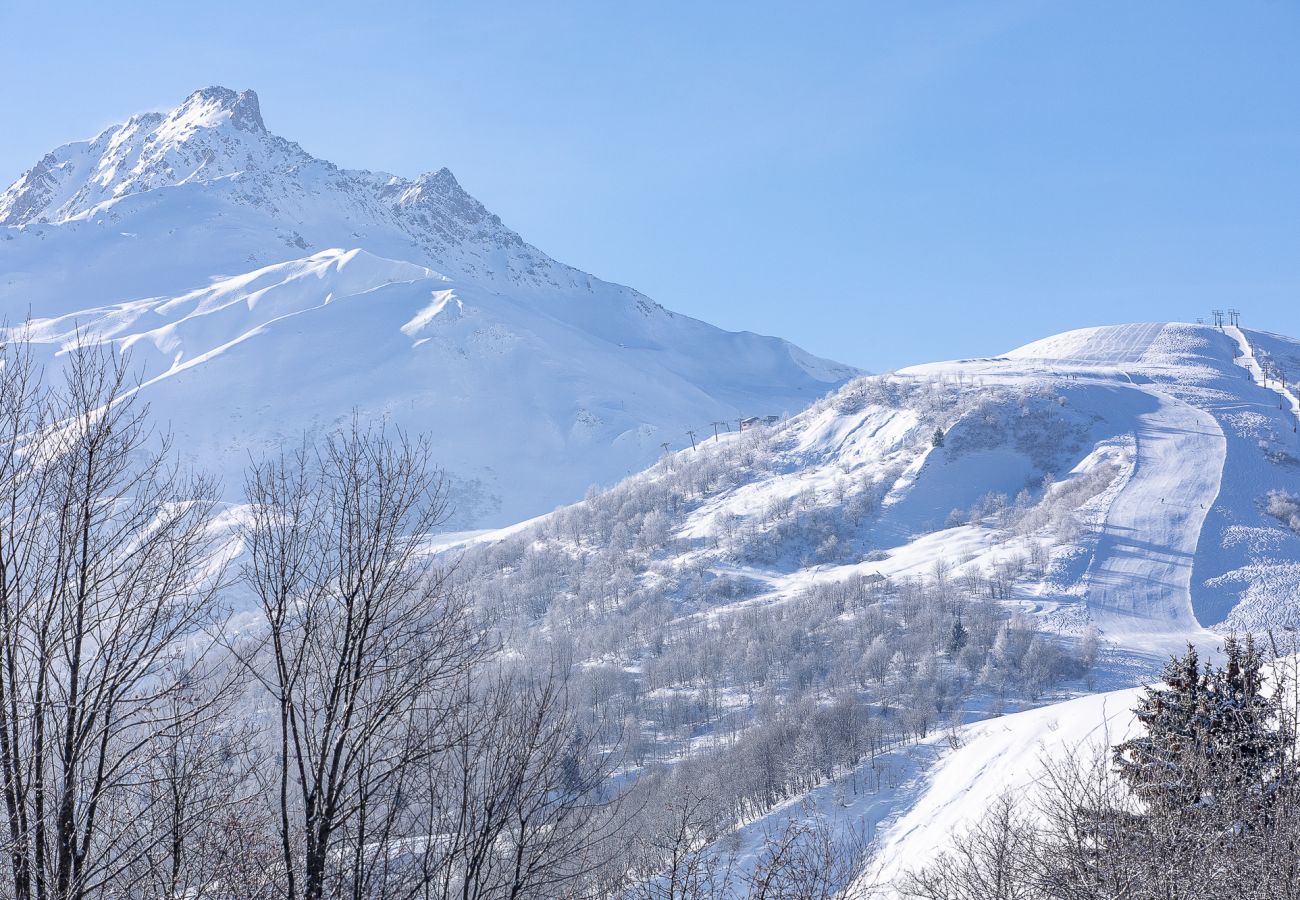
(108,577)
(993,860)
(679,857)
(364,646)
(204,828)
(806,860)
(519,805)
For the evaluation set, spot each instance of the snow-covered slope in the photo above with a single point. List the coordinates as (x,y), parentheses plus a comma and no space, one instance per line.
(1112,481)
(264,292)
(1114,477)
(1186,540)
(995,757)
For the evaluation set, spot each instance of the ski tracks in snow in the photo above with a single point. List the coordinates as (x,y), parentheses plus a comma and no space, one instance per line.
(1139,580)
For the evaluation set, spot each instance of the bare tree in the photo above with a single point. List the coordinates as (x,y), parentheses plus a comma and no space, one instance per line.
(679,857)
(519,805)
(806,860)
(364,645)
(993,860)
(108,577)
(204,827)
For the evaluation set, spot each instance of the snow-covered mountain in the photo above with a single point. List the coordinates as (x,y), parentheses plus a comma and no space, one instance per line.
(1137,486)
(265,292)
(760,607)
(1144,467)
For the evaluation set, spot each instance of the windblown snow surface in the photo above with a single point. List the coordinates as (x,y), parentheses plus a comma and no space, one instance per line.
(264,293)
(1138,460)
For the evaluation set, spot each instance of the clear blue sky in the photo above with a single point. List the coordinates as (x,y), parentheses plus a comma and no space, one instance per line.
(882,182)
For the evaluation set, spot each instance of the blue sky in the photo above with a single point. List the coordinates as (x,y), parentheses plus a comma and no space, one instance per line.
(883,183)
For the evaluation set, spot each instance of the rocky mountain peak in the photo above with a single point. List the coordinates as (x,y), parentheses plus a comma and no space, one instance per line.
(241,109)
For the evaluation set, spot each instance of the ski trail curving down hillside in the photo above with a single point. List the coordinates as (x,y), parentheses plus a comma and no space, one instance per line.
(1139,580)
(1137,586)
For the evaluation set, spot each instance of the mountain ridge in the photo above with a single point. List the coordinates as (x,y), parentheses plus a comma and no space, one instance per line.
(216,133)
(545,379)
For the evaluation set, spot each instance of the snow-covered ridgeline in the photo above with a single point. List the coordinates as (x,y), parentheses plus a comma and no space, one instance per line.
(265,292)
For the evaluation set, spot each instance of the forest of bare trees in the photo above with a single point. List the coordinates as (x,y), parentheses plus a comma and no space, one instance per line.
(294,697)
(359,741)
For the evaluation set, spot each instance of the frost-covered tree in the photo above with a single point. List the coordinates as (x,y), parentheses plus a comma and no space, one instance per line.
(1215,740)
(1202,804)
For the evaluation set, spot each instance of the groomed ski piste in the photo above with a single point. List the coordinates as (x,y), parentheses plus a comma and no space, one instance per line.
(1137,584)
(1184,554)
(1142,456)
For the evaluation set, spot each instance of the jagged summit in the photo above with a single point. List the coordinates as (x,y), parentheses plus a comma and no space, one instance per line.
(229,259)
(242,109)
(436,186)
(215,144)
(214,133)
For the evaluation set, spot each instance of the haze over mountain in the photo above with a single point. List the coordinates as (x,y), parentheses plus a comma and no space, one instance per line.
(264,292)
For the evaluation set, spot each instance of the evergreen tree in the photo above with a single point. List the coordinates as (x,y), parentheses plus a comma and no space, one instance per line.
(936,440)
(1249,737)
(1152,763)
(1214,739)
(957,637)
